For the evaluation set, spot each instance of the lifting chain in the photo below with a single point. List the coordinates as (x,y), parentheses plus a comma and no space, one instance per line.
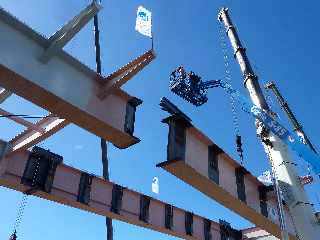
(24,202)
(227,78)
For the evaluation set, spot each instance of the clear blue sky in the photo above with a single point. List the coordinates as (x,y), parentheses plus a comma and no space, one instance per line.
(282,42)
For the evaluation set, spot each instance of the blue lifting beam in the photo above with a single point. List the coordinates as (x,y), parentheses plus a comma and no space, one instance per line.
(190,87)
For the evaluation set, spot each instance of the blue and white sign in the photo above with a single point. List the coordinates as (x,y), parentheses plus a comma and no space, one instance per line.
(155,185)
(143,22)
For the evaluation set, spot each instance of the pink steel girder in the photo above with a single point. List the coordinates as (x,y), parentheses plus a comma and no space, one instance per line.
(66,87)
(189,157)
(65,190)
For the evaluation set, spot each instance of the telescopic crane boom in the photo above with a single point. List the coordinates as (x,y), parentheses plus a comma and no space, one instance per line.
(293,193)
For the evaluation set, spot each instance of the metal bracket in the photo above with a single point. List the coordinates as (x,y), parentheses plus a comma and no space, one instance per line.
(227,232)
(263,200)
(248,76)
(237,50)
(240,172)
(176,137)
(5,147)
(42,178)
(144,208)
(116,202)
(228,28)
(130,115)
(168,216)
(67,32)
(84,188)
(189,223)
(207,229)
(213,162)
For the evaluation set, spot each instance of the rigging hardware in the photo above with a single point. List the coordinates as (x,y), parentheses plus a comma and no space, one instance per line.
(228,77)
(191,88)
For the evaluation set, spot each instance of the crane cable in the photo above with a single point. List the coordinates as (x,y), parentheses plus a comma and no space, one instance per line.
(24,201)
(228,77)
(103,142)
(23,116)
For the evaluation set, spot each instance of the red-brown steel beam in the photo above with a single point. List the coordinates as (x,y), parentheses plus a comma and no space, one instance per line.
(198,161)
(65,190)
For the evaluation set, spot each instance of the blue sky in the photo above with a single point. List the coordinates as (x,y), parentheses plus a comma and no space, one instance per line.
(281,41)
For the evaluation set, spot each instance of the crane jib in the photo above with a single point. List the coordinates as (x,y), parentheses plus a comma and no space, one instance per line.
(274,126)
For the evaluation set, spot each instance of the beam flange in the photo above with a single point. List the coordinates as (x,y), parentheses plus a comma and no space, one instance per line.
(59,39)
(197,160)
(107,199)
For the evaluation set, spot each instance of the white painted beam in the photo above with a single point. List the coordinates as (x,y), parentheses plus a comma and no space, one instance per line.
(64,86)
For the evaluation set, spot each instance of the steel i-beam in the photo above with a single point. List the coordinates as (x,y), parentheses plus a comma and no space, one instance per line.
(198,161)
(69,186)
(66,87)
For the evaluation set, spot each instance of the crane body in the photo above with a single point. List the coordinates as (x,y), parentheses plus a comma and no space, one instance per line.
(301,210)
